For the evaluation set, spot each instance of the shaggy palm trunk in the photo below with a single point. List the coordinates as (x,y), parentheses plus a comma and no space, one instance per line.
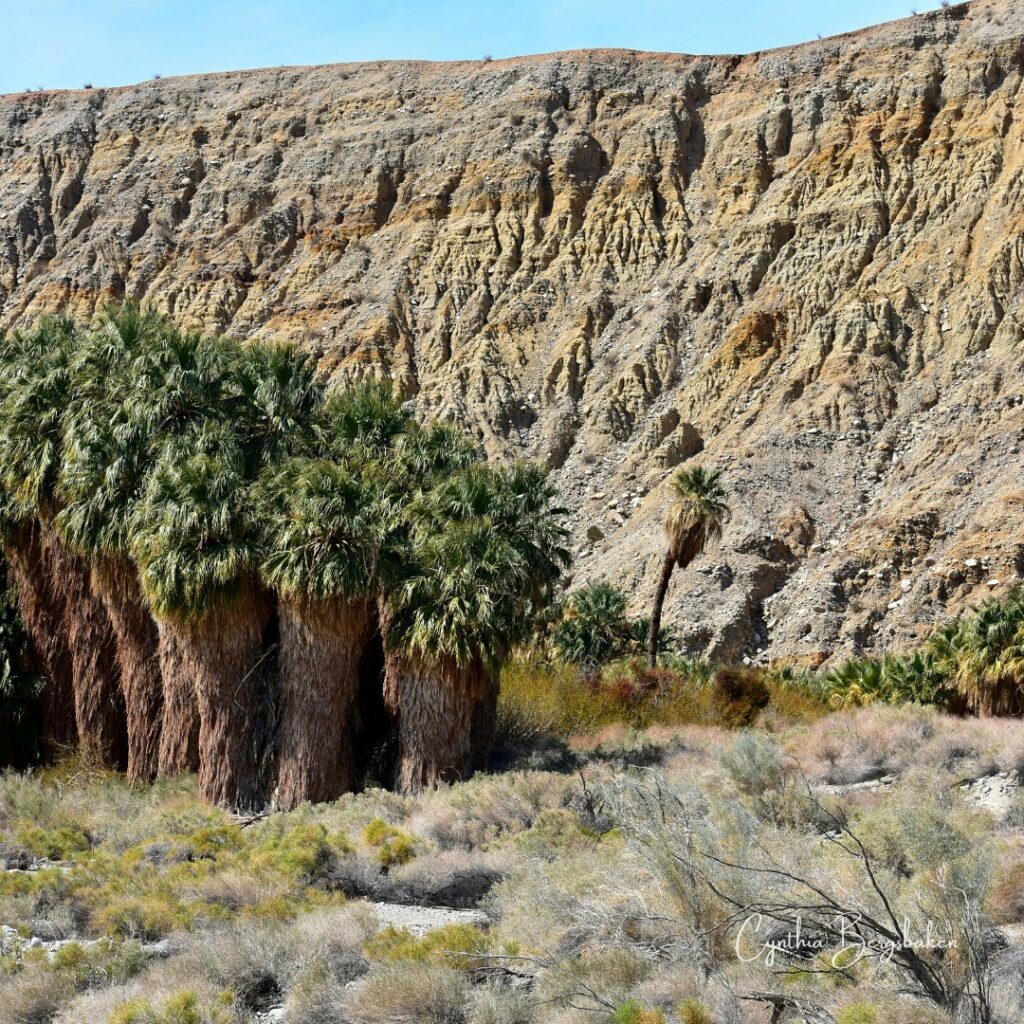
(393,663)
(485,720)
(223,650)
(435,719)
(321,645)
(179,726)
(99,707)
(42,613)
(659,601)
(138,660)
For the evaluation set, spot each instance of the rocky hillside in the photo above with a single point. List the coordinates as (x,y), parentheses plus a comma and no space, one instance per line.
(806,264)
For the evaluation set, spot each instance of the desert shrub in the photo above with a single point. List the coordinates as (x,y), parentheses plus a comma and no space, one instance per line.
(489,807)
(408,992)
(147,917)
(1005,901)
(553,833)
(249,959)
(631,1012)
(305,852)
(41,984)
(459,946)
(858,1013)
(738,695)
(495,1004)
(54,843)
(693,1011)
(755,763)
(393,846)
(601,974)
(183,1008)
(316,998)
(33,997)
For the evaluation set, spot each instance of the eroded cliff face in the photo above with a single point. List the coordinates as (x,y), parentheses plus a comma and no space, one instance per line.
(806,265)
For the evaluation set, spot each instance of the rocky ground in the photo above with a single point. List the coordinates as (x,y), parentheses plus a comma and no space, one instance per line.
(803,264)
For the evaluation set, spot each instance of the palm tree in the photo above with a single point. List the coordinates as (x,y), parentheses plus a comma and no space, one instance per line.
(68,624)
(107,454)
(474,576)
(593,627)
(277,398)
(322,529)
(178,383)
(195,539)
(698,513)
(523,507)
(988,657)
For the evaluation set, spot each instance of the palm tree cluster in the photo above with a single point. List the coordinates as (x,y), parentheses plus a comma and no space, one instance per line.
(973,664)
(217,558)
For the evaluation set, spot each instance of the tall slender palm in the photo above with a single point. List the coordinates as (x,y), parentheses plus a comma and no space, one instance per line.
(196,542)
(322,526)
(107,454)
(475,573)
(698,513)
(69,626)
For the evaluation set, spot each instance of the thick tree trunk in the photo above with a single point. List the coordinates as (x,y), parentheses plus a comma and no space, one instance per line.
(99,708)
(485,720)
(179,728)
(659,601)
(42,614)
(321,646)
(223,651)
(138,660)
(74,645)
(435,719)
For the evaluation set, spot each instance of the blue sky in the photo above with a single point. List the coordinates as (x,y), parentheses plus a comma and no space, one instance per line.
(66,43)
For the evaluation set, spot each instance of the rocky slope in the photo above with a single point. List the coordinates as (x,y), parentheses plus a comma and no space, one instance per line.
(805,264)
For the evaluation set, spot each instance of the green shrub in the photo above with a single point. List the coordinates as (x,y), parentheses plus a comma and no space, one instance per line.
(693,1011)
(631,1012)
(55,843)
(394,847)
(858,1013)
(458,946)
(183,1008)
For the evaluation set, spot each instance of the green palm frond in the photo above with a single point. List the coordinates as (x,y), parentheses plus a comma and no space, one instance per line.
(195,535)
(366,415)
(698,512)
(323,527)
(35,379)
(278,395)
(483,556)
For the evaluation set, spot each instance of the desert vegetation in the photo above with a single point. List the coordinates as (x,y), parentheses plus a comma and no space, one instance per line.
(210,551)
(662,874)
(257,636)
